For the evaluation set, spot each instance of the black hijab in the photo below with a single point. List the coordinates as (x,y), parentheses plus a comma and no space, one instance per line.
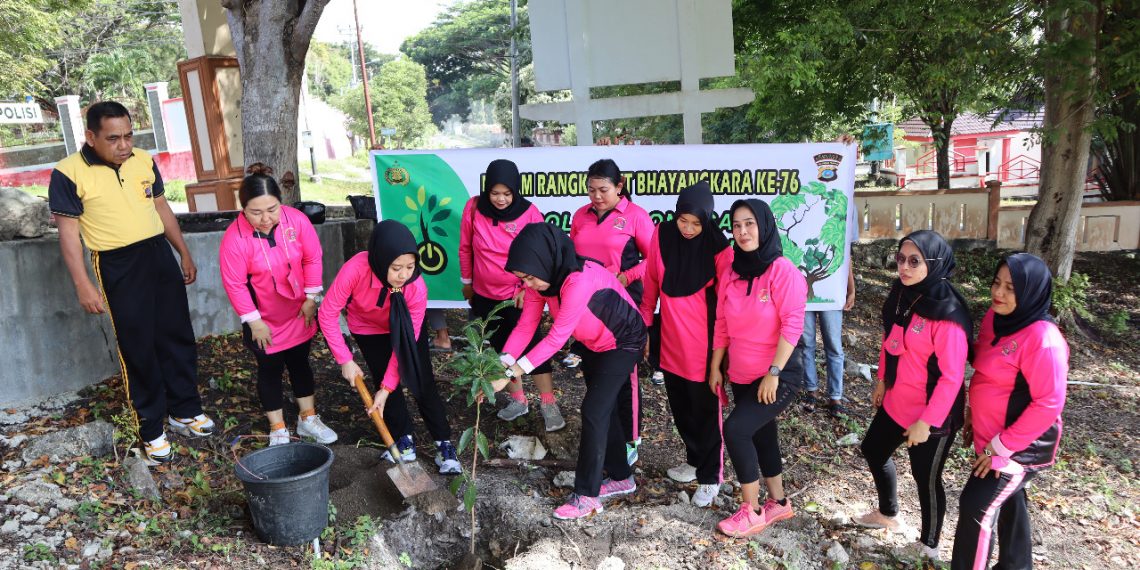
(1033,288)
(932,298)
(690,263)
(391,239)
(752,264)
(546,252)
(506,173)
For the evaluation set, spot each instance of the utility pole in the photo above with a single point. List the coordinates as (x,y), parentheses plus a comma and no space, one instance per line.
(364,77)
(516,136)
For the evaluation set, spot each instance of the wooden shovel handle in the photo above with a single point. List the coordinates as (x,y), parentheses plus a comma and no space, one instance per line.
(366,395)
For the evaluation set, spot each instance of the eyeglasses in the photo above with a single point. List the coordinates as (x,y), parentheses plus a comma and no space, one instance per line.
(913,261)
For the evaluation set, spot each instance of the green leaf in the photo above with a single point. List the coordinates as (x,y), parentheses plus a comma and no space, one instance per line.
(465,439)
(439,231)
(408,218)
(432,202)
(456,484)
(481,442)
(411,203)
(469,497)
(488,391)
(440,215)
(420,195)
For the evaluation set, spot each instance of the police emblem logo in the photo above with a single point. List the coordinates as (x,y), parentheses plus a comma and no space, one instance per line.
(148,191)
(511,227)
(291,234)
(1009,348)
(397,175)
(619,224)
(919,324)
(828,163)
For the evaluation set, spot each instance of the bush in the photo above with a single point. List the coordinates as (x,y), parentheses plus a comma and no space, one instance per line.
(1070,298)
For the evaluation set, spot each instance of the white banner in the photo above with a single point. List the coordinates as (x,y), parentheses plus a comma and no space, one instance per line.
(808,186)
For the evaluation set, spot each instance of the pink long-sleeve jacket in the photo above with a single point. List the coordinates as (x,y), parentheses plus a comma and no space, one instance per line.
(1018,391)
(616,240)
(908,400)
(685,322)
(483,247)
(268,279)
(751,325)
(591,305)
(357,289)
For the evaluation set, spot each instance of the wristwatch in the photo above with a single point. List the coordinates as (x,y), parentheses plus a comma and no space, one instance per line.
(510,372)
(315,297)
(774,370)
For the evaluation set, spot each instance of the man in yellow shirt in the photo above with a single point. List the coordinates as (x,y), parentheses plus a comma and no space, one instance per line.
(111,194)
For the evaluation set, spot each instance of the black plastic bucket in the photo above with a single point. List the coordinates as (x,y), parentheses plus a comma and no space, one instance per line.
(287,487)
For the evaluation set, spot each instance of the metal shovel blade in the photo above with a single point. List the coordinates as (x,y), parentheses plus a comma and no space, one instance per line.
(411,479)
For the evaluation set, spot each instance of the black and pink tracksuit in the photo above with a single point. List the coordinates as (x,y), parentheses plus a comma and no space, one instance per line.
(1016,397)
(593,307)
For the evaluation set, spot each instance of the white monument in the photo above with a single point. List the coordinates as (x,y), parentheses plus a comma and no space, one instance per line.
(579,44)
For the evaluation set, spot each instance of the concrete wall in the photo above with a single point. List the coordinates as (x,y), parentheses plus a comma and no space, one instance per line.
(51,346)
(1104,226)
(953,213)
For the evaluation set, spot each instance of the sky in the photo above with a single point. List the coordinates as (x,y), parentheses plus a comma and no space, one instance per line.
(383,23)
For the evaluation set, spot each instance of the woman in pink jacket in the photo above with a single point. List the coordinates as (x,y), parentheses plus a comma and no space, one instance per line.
(385,299)
(1017,393)
(586,301)
(490,223)
(616,232)
(685,256)
(759,321)
(919,393)
(270,260)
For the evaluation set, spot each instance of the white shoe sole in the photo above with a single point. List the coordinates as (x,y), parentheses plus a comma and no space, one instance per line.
(314,437)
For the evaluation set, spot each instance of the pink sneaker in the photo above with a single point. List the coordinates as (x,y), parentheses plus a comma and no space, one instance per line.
(611,488)
(744,522)
(577,507)
(774,512)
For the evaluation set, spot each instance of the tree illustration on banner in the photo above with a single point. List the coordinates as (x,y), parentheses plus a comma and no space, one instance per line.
(818,255)
(425,194)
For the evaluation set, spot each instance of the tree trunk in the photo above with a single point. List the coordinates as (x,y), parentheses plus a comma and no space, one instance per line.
(271,38)
(1051,230)
(941,135)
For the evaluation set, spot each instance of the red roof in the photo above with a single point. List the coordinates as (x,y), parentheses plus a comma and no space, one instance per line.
(971,124)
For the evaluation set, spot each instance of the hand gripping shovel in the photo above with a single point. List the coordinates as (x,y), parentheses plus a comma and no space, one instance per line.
(410,478)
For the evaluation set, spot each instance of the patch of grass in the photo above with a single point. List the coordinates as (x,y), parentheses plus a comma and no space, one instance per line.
(35,190)
(38,552)
(333,192)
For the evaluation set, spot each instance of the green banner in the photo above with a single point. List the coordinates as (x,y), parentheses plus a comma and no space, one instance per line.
(424,193)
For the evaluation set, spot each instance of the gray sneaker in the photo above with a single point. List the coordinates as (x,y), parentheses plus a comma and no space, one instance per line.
(513,410)
(552,416)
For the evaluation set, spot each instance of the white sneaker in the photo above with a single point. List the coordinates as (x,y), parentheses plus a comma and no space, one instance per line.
(705,494)
(279,437)
(683,473)
(197,426)
(157,451)
(313,427)
(919,551)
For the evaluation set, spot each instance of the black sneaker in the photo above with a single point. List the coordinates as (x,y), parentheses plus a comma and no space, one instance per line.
(837,409)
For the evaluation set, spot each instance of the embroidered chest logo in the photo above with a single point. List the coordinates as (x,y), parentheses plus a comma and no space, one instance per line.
(511,227)
(619,224)
(894,344)
(763,294)
(1009,348)
(148,191)
(919,324)
(290,234)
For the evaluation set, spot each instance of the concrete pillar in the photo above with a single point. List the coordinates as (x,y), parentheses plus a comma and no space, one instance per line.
(205,29)
(155,94)
(71,122)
